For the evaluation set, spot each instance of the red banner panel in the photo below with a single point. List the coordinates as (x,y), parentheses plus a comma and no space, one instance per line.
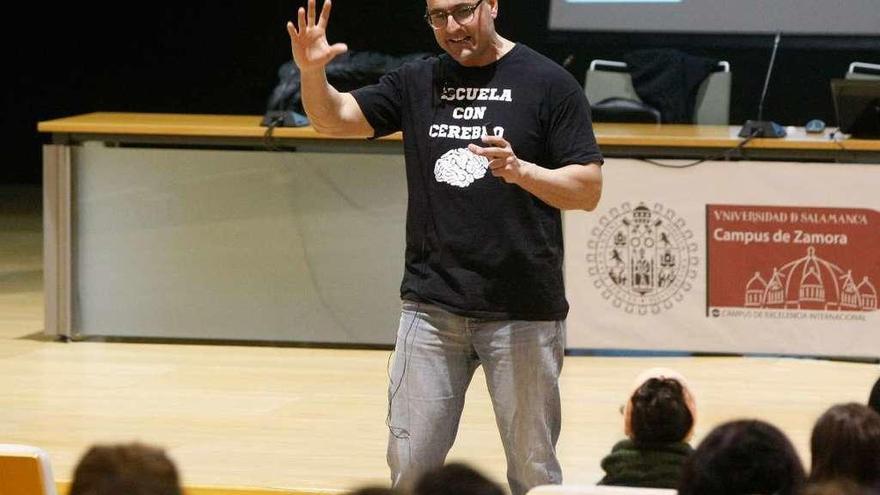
(792,258)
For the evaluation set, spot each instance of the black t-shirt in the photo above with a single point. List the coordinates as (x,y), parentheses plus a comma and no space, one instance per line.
(475,245)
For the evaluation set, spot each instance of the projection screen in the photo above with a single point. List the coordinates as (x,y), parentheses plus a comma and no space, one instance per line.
(809,17)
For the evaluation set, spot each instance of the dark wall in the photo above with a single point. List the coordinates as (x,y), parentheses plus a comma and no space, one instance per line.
(222,56)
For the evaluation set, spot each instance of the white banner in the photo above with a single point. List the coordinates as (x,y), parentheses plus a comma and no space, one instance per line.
(731,257)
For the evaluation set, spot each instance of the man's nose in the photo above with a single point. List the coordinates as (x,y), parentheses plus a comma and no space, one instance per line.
(451,24)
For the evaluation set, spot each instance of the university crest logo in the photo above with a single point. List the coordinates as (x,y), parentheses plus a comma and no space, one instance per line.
(642,259)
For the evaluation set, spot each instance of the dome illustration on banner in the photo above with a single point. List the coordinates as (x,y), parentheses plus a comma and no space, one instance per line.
(811,282)
(642,259)
(459,167)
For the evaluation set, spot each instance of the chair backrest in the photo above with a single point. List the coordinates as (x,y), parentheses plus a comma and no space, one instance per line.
(863,70)
(713,97)
(610,78)
(597,490)
(25,470)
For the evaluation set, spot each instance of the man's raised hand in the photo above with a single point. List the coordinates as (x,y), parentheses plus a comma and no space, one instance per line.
(308,39)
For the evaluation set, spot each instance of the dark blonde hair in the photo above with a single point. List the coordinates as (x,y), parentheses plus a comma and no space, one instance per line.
(132,469)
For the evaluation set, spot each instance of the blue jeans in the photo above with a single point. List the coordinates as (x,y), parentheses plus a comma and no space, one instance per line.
(435,356)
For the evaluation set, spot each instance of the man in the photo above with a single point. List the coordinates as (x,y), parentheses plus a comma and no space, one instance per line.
(483,275)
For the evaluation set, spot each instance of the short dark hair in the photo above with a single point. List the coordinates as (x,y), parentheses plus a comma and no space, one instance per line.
(458,479)
(659,412)
(133,469)
(743,457)
(874,398)
(845,444)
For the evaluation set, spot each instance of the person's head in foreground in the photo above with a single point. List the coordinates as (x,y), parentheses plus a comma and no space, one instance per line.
(130,469)
(845,445)
(745,457)
(455,479)
(874,398)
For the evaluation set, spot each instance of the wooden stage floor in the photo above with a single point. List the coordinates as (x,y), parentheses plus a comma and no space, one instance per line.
(313,420)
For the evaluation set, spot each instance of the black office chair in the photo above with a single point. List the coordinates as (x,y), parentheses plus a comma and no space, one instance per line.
(618,109)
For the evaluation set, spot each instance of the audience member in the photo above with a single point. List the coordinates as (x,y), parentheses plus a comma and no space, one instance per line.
(131,469)
(743,457)
(659,418)
(874,398)
(455,479)
(845,445)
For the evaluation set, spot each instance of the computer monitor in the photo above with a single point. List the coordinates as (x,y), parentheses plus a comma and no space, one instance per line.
(857,105)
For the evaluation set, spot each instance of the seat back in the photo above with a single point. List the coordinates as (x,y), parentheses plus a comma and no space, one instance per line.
(863,70)
(25,470)
(713,97)
(609,78)
(597,490)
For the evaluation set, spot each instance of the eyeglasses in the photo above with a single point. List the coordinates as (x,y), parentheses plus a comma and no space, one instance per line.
(462,14)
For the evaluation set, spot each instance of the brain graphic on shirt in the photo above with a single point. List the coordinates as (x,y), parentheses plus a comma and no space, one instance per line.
(459,167)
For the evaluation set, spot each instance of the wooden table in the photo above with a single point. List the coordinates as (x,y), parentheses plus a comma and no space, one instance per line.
(206,227)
